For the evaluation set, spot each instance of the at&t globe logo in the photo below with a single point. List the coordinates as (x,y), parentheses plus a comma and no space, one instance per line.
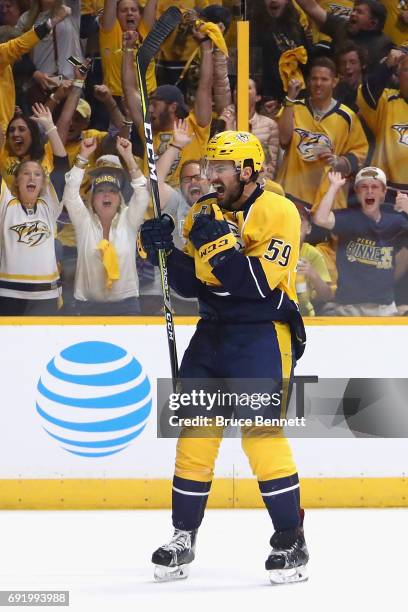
(94,399)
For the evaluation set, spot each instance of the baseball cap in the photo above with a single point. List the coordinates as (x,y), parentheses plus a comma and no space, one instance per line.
(170,94)
(110,164)
(106,179)
(371,172)
(83,109)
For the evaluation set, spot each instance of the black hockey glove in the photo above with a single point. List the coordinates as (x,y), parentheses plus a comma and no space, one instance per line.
(155,234)
(212,238)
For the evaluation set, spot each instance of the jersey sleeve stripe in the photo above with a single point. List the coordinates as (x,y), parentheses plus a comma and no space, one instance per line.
(367,94)
(345,115)
(254,277)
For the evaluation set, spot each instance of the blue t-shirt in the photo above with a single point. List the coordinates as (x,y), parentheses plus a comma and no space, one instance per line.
(366,255)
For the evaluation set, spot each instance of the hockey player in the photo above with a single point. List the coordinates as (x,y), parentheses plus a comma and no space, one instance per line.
(239,260)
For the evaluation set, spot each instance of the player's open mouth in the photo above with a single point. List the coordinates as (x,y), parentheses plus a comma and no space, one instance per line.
(18,142)
(31,187)
(195,191)
(131,22)
(106,204)
(219,189)
(370,201)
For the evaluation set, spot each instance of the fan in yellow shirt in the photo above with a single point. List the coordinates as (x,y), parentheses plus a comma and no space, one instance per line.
(119,17)
(318,133)
(313,282)
(396,26)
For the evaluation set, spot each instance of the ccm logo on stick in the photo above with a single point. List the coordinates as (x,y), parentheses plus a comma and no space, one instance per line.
(150,151)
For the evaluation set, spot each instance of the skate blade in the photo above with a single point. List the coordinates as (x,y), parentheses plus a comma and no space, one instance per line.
(162,573)
(288,576)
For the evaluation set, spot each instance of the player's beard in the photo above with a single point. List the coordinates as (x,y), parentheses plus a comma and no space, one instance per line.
(231,196)
(164,120)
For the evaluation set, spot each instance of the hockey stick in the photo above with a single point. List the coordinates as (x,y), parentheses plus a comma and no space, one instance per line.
(149,48)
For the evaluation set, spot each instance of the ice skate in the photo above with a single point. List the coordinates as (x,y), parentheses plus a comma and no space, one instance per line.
(288,558)
(173,559)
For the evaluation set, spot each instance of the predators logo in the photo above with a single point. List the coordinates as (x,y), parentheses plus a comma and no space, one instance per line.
(12,167)
(32,233)
(311,143)
(235,232)
(402,129)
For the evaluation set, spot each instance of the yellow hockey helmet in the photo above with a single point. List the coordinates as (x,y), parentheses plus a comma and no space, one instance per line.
(237,147)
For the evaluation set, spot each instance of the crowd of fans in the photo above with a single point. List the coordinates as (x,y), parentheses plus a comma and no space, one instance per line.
(328,99)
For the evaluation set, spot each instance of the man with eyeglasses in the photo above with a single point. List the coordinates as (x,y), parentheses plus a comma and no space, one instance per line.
(242,247)
(176,202)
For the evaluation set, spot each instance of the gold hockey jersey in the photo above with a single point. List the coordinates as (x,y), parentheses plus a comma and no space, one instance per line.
(303,176)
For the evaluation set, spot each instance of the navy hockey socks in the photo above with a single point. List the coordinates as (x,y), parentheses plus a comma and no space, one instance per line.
(189,502)
(282,500)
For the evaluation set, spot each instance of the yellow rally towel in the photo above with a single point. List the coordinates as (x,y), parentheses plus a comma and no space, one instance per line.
(213,32)
(289,65)
(110,262)
(209,29)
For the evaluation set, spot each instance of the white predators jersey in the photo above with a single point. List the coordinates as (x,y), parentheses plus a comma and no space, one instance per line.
(28,266)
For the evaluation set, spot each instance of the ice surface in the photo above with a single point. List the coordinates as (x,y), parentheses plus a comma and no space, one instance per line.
(358,560)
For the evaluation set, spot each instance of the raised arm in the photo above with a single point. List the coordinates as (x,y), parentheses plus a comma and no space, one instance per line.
(149,13)
(286,119)
(203,98)
(140,197)
(68,111)
(323,215)
(129,81)
(71,198)
(314,11)
(181,139)
(104,95)
(374,84)
(42,115)
(70,104)
(221,86)
(107,21)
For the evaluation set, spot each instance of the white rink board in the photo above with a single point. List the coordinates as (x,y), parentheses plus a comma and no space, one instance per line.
(26,451)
